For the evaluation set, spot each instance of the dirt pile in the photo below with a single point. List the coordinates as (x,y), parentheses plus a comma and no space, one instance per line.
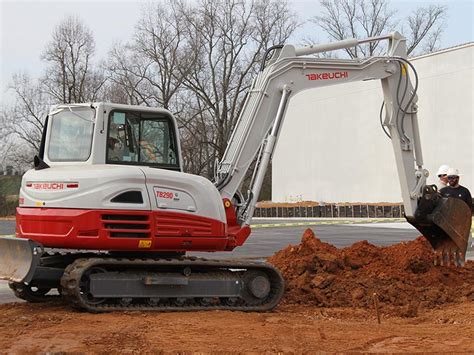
(402,275)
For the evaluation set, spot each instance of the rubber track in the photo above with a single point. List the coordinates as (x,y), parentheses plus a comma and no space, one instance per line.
(70,283)
(23,292)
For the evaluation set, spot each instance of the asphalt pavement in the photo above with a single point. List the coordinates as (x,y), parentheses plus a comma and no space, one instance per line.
(7,227)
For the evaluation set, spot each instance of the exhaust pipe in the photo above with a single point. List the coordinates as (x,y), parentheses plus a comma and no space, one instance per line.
(446,224)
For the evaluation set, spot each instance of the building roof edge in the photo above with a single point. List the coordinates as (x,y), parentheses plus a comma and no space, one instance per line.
(444,50)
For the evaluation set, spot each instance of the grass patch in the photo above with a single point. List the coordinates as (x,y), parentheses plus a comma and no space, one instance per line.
(9,188)
(10,184)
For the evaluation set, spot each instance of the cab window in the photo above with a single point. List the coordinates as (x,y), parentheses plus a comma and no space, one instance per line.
(141,139)
(71,134)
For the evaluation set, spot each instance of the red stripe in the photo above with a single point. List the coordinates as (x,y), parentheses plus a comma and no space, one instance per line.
(99,229)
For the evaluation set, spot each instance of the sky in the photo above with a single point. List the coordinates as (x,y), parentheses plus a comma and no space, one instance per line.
(26,27)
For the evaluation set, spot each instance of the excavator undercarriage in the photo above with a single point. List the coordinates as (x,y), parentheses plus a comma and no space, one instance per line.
(99,282)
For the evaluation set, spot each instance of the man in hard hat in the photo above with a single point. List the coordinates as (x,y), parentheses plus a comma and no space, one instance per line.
(442,177)
(457,191)
(454,189)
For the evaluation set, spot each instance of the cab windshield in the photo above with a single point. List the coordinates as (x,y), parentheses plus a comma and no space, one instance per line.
(71,134)
(142,139)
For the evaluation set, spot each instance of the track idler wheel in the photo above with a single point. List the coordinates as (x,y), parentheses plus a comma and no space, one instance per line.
(30,293)
(257,287)
(446,224)
(85,286)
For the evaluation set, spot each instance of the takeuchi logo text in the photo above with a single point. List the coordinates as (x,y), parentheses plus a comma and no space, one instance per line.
(328,76)
(47,186)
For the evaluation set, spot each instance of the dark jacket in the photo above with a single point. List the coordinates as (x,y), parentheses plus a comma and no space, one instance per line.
(457,192)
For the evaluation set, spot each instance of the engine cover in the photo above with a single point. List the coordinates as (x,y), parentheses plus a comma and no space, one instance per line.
(114,207)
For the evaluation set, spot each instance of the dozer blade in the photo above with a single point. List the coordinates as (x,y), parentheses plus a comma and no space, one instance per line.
(446,223)
(18,259)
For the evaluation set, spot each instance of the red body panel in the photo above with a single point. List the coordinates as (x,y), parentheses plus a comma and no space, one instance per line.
(126,230)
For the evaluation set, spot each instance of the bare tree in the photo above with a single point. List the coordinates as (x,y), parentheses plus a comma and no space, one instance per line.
(152,67)
(232,37)
(22,123)
(126,76)
(426,25)
(196,151)
(367,18)
(70,76)
(162,39)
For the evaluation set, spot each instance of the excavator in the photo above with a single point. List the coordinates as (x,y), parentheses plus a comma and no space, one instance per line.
(107,215)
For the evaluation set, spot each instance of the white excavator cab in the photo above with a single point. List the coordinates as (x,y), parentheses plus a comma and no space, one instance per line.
(101,133)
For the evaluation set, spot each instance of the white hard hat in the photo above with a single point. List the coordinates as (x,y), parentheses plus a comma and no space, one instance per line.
(443,170)
(452,172)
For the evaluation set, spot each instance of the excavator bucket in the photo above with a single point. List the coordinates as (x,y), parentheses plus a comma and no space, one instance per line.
(18,259)
(446,223)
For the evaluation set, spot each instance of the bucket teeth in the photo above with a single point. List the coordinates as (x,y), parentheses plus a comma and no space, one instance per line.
(459,258)
(448,257)
(444,258)
(437,259)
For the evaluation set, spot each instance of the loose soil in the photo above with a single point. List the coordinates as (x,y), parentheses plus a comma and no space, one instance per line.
(328,306)
(49,328)
(402,277)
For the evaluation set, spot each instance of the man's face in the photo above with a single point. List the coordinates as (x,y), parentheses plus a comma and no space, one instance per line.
(443,178)
(453,180)
(112,143)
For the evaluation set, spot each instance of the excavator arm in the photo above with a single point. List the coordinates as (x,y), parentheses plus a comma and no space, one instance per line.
(444,223)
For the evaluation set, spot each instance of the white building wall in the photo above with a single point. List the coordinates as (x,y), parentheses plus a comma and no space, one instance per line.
(332,147)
